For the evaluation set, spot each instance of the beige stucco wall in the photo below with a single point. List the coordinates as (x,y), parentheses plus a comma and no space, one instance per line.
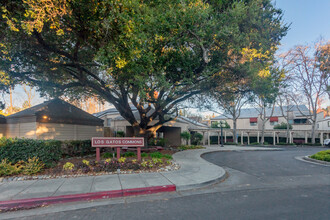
(244,123)
(67,131)
(26,130)
(324,125)
(3,128)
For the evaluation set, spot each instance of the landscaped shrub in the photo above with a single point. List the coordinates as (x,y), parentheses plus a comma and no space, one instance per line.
(255,143)
(77,148)
(129,154)
(107,155)
(157,142)
(186,136)
(68,166)
(8,169)
(32,166)
(190,147)
(120,134)
(322,155)
(160,155)
(48,151)
(196,138)
(283,125)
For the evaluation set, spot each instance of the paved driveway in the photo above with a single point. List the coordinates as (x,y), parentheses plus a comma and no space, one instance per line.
(261,185)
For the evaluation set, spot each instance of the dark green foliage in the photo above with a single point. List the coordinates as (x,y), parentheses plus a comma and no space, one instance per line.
(282,126)
(255,143)
(196,138)
(124,51)
(77,148)
(160,155)
(120,134)
(190,147)
(129,154)
(322,155)
(186,136)
(157,142)
(107,155)
(144,154)
(48,151)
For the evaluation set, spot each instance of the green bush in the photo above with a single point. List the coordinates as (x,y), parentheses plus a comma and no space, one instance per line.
(120,134)
(190,147)
(196,138)
(77,148)
(48,151)
(129,154)
(322,155)
(255,143)
(160,155)
(157,142)
(144,154)
(186,136)
(156,155)
(283,125)
(8,169)
(32,166)
(107,155)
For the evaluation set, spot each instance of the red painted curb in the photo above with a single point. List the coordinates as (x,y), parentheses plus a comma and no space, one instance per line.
(37,202)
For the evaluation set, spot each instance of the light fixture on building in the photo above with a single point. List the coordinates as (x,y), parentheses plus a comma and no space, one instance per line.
(44,117)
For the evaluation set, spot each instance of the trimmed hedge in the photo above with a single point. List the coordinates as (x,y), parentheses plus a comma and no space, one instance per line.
(15,149)
(77,148)
(48,151)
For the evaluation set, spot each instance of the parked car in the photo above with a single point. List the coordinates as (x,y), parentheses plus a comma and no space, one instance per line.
(326,142)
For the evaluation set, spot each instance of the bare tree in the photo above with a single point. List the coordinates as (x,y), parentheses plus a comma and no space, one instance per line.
(232,105)
(309,77)
(286,105)
(30,93)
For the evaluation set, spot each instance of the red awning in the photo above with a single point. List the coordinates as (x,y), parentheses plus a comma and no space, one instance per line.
(273,119)
(252,120)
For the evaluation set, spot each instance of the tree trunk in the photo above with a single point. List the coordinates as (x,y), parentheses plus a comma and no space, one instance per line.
(262,132)
(140,132)
(287,132)
(235,131)
(313,132)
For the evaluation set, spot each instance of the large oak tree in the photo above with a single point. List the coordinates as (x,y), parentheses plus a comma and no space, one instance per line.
(152,54)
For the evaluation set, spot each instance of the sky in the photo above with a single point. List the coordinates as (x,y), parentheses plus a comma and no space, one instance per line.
(309,20)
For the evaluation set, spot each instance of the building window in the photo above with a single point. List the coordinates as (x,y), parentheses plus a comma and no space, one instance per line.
(300,121)
(273,120)
(253,121)
(328,123)
(273,123)
(108,122)
(290,121)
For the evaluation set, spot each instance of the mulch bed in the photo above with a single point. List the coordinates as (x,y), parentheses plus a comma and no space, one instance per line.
(92,167)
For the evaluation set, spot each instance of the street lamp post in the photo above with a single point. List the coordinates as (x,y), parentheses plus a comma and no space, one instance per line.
(222,124)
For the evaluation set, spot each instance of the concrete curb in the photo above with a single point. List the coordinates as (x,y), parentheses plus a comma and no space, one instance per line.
(316,161)
(37,202)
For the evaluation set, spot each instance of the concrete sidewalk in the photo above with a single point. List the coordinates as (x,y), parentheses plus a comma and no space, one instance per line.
(194,172)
